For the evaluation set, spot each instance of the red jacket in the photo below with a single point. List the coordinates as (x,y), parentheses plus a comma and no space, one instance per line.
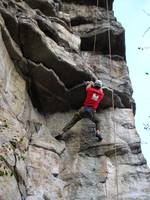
(94,97)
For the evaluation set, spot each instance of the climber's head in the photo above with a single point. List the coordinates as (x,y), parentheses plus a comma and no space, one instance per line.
(98,84)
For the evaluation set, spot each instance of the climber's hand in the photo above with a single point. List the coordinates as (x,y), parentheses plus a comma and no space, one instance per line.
(88,82)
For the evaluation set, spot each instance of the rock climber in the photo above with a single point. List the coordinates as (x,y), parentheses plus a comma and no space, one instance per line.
(94,95)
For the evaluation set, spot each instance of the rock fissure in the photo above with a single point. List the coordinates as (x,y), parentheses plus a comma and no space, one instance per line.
(11,165)
(47,149)
(20,182)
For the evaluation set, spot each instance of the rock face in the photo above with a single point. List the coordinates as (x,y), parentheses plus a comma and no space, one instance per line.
(49,48)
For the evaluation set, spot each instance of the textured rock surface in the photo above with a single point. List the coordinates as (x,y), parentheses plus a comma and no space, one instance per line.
(43,64)
(90,21)
(101,3)
(44,47)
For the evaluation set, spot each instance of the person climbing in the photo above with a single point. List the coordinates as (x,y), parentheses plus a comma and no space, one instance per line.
(94,95)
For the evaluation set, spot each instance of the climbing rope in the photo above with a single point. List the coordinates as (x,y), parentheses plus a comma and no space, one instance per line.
(113,103)
(105,171)
(95,37)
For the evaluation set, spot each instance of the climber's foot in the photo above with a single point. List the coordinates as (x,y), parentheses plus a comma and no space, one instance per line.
(99,135)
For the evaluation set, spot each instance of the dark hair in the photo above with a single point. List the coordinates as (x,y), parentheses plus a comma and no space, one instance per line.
(96,87)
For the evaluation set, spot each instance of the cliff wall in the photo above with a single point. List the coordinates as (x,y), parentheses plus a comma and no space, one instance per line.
(49,48)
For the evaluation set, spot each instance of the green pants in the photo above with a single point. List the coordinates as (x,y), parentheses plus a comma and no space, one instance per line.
(83,114)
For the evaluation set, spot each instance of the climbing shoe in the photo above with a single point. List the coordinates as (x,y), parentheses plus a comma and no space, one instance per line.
(99,135)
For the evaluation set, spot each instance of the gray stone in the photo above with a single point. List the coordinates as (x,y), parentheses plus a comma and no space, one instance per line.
(42,69)
(48,7)
(101,3)
(97,28)
(93,164)
(67,70)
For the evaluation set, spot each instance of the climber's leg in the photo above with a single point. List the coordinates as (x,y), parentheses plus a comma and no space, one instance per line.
(96,120)
(73,121)
(77,116)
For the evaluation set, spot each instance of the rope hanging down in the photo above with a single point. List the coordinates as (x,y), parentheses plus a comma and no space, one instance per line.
(95,38)
(113,105)
(105,171)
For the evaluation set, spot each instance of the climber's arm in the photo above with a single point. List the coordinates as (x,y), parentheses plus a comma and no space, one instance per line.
(89,84)
(107,89)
